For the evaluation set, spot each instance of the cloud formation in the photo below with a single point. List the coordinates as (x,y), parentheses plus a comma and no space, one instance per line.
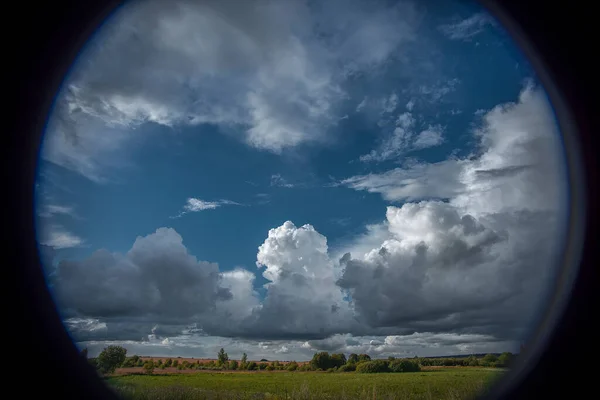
(464,264)
(195,205)
(271,72)
(467,28)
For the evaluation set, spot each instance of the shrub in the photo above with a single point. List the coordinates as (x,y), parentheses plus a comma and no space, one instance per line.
(305,367)
(505,360)
(488,360)
(175,363)
(149,367)
(168,363)
(129,362)
(372,367)
(270,367)
(347,368)
(139,363)
(330,370)
(252,366)
(364,357)
(233,365)
(292,366)
(403,366)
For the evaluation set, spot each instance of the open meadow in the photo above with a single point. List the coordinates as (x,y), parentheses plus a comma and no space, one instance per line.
(430,383)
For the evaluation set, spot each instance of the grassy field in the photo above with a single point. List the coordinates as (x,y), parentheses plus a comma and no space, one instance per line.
(443,383)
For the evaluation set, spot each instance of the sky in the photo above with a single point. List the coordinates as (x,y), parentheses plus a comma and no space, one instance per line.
(285,177)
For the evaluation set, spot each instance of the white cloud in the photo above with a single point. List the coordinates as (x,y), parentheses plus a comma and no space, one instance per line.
(389,104)
(270,71)
(464,265)
(57,237)
(50,210)
(467,28)
(278,181)
(435,92)
(361,105)
(302,297)
(195,205)
(430,137)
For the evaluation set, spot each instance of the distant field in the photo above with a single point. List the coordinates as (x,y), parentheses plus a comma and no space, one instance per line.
(439,383)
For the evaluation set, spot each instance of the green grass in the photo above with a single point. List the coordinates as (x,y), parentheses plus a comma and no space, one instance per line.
(456,383)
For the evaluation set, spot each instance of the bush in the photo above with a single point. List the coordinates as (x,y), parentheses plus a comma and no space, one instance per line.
(149,367)
(233,365)
(270,367)
(403,366)
(110,358)
(347,368)
(505,360)
(168,363)
(252,366)
(305,367)
(330,370)
(129,362)
(175,363)
(139,363)
(292,366)
(488,360)
(372,367)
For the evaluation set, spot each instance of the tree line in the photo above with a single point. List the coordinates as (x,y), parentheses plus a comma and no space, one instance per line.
(113,357)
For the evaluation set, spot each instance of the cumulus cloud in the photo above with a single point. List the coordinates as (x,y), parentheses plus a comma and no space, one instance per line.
(482,260)
(272,71)
(157,280)
(302,298)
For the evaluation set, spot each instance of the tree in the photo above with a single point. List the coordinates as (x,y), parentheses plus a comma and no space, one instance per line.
(353,359)
(292,366)
(321,360)
(168,363)
(244,362)
(110,358)
(222,357)
(364,357)
(337,360)
(175,363)
(233,365)
(84,352)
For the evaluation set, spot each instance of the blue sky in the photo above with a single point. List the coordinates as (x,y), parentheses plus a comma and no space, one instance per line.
(223,131)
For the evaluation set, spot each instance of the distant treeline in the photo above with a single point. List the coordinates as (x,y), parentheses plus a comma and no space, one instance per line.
(113,357)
